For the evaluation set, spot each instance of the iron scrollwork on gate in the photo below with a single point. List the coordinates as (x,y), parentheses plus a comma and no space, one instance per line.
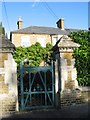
(37,87)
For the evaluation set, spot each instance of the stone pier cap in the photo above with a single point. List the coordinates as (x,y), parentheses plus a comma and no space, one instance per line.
(65,44)
(6,45)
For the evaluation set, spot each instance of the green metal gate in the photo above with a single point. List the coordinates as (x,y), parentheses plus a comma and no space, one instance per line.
(36,87)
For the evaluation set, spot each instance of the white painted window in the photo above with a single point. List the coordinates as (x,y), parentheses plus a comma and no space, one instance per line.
(25,41)
(54,40)
(42,41)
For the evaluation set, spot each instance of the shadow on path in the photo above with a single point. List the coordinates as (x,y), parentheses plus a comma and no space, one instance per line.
(80,111)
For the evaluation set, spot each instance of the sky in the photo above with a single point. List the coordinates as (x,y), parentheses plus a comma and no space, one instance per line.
(44,13)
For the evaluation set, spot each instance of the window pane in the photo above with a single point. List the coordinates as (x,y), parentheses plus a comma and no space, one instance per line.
(41,40)
(25,41)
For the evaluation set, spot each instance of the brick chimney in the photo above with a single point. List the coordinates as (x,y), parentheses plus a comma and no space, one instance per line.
(19,23)
(60,23)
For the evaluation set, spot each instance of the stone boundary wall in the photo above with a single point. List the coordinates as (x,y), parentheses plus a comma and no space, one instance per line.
(71,97)
(7,105)
(85,93)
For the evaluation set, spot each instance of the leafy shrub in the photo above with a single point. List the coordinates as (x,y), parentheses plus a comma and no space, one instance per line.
(82,57)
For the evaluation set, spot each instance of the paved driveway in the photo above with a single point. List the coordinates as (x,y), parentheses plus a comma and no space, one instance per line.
(75,111)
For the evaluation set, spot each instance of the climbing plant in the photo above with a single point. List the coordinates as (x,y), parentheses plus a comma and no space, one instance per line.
(35,53)
(82,56)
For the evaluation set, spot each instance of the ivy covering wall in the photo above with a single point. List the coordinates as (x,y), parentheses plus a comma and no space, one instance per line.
(82,56)
(35,53)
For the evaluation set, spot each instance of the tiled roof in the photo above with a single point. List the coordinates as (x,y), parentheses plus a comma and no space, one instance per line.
(72,30)
(45,30)
(41,30)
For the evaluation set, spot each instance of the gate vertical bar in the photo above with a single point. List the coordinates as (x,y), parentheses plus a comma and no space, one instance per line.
(52,81)
(30,86)
(21,83)
(45,88)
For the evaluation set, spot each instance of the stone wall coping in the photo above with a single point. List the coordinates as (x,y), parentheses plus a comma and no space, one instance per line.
(86,88)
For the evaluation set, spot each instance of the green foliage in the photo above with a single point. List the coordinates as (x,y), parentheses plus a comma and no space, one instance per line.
(36,54)
(47,56)
(2,30)
(82,57)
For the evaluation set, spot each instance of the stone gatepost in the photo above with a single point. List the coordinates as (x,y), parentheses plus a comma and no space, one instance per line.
(8,79)
(65,71)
